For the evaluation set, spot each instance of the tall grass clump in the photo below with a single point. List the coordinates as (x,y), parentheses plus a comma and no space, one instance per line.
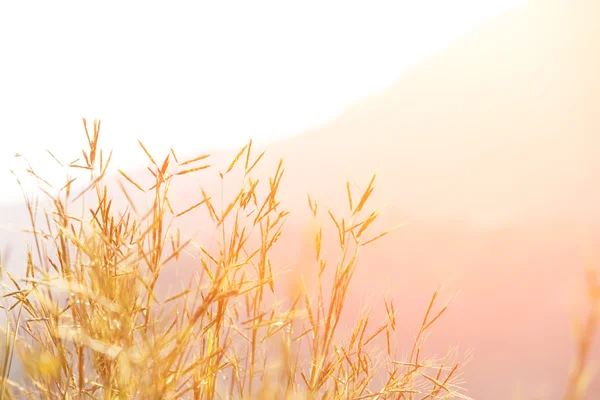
(87,320)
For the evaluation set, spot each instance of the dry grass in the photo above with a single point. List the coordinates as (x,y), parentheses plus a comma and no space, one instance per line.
(586,330)
(86,321)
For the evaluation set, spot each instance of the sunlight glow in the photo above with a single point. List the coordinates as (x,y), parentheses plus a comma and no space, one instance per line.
(201,76)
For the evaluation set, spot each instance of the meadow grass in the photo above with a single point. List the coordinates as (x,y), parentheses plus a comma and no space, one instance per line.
(87,319)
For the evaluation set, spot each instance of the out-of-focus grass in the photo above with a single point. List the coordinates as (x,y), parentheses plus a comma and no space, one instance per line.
(586,330)
(86,320)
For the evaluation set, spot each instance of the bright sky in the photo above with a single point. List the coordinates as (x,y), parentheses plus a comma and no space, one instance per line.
(197,76)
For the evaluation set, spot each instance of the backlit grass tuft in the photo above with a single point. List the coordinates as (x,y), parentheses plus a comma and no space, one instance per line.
(87,321)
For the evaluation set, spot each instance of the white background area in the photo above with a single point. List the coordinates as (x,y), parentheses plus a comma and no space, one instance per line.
(199,76)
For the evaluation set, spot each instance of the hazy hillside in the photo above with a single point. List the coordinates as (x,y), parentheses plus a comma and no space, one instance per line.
(503,121)
(490,152)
